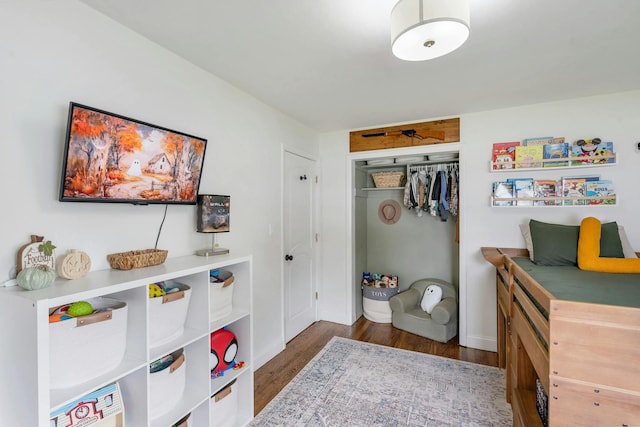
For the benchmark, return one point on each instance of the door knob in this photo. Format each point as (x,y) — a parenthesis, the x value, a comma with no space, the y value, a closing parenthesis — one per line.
(288,257)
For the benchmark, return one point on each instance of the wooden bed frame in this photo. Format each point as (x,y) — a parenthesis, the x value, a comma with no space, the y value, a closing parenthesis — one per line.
(587,356)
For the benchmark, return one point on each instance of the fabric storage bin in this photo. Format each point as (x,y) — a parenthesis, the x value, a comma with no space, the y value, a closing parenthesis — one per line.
(167,314)
(85,347)
(166,386)
(221,294)
(375,303)
(224,407)
(100,408)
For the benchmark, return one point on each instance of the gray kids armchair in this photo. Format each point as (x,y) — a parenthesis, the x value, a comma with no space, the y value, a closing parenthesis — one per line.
(407,313)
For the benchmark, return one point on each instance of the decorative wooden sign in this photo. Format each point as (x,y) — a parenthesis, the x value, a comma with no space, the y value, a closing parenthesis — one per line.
(36,253)
(409,135)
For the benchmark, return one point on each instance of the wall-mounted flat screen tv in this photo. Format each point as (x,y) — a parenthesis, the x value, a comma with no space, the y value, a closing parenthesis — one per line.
(112,158)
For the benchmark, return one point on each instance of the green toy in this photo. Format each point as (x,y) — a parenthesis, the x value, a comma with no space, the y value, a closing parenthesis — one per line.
(80,308)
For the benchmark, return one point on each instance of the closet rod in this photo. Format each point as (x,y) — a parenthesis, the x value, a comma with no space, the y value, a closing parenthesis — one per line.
(437,165)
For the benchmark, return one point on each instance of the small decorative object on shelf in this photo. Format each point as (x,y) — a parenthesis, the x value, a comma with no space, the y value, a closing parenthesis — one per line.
(34,278)
(36,253)
(137,259)
(74,265)
(213,216)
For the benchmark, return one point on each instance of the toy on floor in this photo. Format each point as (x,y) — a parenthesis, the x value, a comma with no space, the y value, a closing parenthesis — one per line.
(224,348)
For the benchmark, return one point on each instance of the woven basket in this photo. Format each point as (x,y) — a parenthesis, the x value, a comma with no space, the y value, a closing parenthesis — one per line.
(387,179)
(137,259)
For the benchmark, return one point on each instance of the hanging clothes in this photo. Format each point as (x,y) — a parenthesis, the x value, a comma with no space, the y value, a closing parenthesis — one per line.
(432,189)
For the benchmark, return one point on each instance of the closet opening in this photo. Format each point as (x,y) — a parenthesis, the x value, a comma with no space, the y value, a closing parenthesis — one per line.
(422,240)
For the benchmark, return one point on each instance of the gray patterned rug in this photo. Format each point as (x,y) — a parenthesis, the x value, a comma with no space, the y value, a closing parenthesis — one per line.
(352,383)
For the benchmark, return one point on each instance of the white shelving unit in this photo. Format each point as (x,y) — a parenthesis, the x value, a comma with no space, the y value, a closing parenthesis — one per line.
(28,399)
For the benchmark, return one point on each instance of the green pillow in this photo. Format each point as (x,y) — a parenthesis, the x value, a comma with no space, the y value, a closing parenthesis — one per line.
(554,244)
(610,243)
(557,244)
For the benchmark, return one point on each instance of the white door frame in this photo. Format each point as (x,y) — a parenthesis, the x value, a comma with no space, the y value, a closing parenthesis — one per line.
(350,278)
(316,210)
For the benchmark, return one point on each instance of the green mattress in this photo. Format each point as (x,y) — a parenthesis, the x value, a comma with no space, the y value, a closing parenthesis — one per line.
(571,283)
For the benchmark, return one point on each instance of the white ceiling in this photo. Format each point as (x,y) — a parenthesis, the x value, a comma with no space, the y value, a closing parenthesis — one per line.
(328,63)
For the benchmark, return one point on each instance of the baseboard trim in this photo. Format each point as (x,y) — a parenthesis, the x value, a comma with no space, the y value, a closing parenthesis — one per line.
(482,343)
(267,354)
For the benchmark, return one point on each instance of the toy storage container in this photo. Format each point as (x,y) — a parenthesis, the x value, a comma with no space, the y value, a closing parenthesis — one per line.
(100,408)
(224,407)
(221,294)
(166,386)
(168,313)
(377,290)
(85,347)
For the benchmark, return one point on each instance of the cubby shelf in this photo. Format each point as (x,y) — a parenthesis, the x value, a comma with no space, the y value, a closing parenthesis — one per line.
(26,341)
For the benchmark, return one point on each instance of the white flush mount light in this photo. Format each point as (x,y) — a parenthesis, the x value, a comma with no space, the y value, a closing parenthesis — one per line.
(427,29)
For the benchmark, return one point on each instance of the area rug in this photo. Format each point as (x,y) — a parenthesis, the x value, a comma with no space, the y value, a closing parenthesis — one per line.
(353,383)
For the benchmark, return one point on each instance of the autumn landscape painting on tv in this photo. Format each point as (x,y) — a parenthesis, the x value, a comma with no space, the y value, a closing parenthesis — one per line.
(111,158)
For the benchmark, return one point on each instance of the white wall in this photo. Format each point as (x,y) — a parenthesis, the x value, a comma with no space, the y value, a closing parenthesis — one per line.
(613,117)
(58,51)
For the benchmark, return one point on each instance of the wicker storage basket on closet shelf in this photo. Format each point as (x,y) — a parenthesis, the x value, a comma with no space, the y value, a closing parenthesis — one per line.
(387,179)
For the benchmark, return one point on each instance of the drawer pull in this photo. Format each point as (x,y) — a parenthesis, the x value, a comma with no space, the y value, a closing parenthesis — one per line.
(555,385)
(555,372)
(596,404)
(596,391)
(555,397)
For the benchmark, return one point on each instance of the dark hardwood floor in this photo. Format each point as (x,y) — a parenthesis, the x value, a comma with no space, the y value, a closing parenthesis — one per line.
(275,374)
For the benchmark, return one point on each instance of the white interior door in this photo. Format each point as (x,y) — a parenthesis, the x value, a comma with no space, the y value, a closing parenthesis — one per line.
(299,287)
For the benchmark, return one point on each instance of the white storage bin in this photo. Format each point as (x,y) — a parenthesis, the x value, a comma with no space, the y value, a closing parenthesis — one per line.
(85,347)
(376,311)
(167,314)
(221,296)
(224,407)
(100,408)
(166,387)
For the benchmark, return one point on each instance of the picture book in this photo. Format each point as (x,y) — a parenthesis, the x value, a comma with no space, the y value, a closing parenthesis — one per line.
(526,156)
(558,140)
(538,141)
(545,188)
(556,151)
(573,188)
(504,154)
(523,189)
(602,192)
(604,153)
(586,152)
(503,190)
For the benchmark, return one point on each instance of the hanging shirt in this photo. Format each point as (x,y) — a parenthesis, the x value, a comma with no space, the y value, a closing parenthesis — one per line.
(444,204)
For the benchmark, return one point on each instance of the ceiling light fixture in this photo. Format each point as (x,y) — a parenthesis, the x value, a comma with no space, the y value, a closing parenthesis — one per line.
(428,29)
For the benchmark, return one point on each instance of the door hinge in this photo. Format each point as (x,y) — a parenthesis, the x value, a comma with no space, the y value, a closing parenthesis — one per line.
(316,296)
(317,237)
(316,179)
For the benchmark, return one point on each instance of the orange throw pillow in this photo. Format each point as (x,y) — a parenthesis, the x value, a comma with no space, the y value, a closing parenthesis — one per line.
(589,258)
